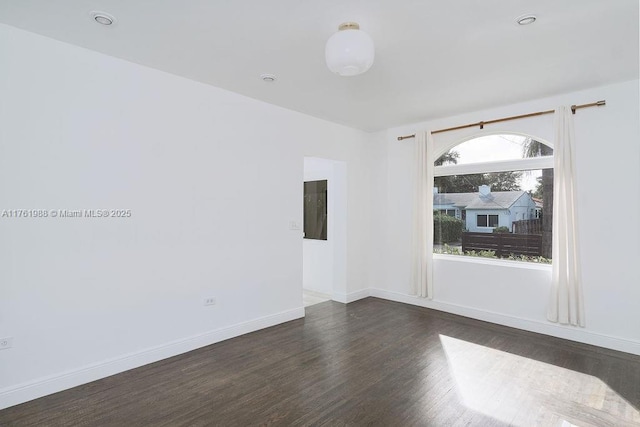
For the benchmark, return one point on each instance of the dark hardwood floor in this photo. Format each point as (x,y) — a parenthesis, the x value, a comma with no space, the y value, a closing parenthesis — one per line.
(372,362)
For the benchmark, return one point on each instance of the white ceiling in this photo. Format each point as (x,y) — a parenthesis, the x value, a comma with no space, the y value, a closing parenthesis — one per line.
(433,58)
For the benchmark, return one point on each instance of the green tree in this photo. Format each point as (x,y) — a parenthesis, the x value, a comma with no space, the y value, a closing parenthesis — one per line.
(544,190)
(503,181)
(498,181)
(538,191)
(449,158)
(446,228)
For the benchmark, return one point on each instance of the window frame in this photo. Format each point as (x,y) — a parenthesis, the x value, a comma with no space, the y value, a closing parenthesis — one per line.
(518,164)
(525,164)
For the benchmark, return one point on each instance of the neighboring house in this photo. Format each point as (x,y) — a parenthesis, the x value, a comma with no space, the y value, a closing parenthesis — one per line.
(538,212)
(485,210)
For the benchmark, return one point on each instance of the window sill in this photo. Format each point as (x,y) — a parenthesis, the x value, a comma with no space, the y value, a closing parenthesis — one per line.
(495,262)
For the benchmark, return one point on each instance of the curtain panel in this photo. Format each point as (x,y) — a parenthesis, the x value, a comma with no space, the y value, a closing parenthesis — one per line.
(566,304)
(422,241)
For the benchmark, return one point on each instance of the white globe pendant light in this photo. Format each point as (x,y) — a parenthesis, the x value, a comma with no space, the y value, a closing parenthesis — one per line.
(350,51)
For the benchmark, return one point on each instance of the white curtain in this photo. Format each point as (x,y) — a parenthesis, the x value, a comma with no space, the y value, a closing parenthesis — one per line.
(422,242)
(566,304)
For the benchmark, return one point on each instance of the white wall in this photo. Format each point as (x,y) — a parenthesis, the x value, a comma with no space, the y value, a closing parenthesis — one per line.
(608,170)
(212,179)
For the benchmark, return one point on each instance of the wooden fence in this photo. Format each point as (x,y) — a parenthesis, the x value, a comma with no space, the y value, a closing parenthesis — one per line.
(503,244)
(528,226)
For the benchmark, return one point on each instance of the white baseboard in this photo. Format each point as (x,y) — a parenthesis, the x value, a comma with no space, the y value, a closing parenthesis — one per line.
(552,329)
(25,392)
(350,297)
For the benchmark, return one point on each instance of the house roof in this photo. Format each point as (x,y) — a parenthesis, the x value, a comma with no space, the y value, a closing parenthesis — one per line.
(539,203)
(495,200)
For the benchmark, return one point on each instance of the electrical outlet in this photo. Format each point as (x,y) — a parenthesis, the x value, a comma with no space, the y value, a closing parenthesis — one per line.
(6,343)
(210,301)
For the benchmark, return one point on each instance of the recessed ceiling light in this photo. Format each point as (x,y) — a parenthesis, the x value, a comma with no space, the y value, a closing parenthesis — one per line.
(103,18)
(526,19)
(269,78)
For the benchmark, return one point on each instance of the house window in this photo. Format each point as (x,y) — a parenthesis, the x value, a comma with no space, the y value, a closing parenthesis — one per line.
(449,212)
(503,188)
(487,220)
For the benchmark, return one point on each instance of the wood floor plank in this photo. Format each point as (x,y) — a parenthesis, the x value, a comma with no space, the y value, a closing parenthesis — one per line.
(372,362)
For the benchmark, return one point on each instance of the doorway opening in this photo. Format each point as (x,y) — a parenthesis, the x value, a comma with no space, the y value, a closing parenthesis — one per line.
(324,259)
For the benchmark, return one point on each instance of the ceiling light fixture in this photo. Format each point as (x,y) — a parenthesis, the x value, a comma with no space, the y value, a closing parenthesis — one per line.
(526,20)
(350,51)
(103,18)
(269,78)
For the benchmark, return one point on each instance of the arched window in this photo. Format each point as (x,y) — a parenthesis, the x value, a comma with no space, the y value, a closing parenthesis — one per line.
(493,197)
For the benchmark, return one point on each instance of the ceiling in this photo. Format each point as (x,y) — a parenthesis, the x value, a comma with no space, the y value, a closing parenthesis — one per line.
(433,58)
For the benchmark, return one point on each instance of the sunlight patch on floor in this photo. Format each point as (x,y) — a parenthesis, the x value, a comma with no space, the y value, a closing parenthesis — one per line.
(525,392)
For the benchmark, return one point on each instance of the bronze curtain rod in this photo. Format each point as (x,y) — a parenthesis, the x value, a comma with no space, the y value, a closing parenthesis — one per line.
(505,119)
